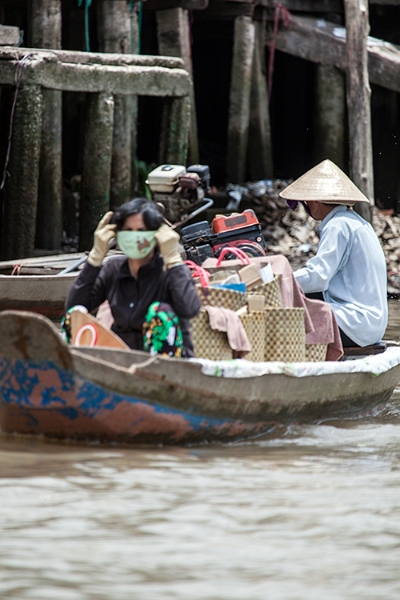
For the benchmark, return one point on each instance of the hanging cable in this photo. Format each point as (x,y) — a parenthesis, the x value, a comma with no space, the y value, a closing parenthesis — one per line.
(140,18)
(135,8)
(17,80)
(87,37)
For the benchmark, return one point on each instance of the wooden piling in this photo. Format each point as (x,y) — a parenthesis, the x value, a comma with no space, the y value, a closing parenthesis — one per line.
(115,37)
(358,100)
(330,116)
(21,186)
(259,141)
(96,170)
(135,47)
(173,33)
(174,139)
(46,33)
(239,98)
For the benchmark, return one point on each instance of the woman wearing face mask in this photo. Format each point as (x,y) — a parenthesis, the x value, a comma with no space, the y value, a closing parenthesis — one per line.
(150,290)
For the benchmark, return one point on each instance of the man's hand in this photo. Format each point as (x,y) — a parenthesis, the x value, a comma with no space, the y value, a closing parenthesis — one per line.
(102,236)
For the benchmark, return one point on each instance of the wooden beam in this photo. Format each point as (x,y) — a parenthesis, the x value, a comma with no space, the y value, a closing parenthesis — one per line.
(173,33)
(96,169)
(330,115)
(97,58)
(46,33)
(46,70)
(227,10)
(239,99)
(21,185)
(259,141)
(358,100)
(174,134)
(324,43)
(115,37)
(9,36)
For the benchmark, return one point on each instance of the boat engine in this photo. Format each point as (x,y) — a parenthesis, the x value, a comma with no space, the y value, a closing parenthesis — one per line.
(242,230)
(179,189)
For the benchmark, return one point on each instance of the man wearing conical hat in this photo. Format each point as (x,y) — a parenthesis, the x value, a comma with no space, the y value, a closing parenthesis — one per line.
(349,269)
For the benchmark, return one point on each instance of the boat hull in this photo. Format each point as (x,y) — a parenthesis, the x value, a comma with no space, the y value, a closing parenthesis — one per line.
(42,294)
(50,389)
(58,403)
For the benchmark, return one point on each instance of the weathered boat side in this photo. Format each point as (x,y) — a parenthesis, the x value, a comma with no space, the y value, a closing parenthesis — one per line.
(270,398)
(43,294)
(116,395)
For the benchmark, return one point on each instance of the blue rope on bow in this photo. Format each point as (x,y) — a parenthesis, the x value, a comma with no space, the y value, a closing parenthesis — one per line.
(87,5)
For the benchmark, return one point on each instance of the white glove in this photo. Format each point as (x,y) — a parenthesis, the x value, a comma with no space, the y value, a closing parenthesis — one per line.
(102,236)
(168,241)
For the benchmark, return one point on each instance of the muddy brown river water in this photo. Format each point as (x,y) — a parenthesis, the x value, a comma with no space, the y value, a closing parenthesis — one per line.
(307,513)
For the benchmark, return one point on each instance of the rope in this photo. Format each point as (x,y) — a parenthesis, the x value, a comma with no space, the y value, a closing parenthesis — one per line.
(87,5)
(134,8)
(140,19)
(16,270)
(17,80)
(281,14)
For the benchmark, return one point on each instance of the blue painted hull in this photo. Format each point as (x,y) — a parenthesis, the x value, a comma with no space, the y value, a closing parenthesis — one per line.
(43,398)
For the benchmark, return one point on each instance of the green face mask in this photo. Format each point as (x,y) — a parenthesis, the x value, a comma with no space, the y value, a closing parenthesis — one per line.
(136,244)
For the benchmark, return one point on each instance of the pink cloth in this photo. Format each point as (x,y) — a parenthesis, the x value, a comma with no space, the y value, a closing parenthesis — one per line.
(104,315)
(224,319)
(320,321)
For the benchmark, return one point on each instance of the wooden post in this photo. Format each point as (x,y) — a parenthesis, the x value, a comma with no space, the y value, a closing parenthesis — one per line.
(115,37)
(173,35)
(174,138)
(134,50)
(46,33)
(330,116)
(259,144)
(239,99)
(21,186)
(358,100)
(96,171)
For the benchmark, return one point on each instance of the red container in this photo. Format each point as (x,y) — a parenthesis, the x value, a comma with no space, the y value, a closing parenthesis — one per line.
(223,223)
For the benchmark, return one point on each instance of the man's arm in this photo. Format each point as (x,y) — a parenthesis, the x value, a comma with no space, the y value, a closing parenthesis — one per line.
(332,255)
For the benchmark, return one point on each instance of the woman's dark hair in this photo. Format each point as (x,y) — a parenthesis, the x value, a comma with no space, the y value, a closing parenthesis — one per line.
(152,216)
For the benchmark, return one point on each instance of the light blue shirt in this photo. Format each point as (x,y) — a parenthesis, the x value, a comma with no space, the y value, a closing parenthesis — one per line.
(350,271)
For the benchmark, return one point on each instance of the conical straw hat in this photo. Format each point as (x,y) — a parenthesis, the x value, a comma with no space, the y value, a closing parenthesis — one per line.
(325,183)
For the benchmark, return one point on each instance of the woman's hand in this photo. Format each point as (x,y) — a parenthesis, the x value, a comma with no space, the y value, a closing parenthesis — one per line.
(102,236)
(168,241)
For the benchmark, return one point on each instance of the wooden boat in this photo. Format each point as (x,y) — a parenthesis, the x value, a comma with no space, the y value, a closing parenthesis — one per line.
(50,388)
(40,284)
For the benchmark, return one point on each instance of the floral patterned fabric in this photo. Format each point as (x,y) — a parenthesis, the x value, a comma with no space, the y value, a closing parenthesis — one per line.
(161,331)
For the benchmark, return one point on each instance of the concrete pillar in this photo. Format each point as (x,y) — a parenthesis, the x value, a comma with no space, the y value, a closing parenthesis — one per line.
(330,116)
(259,143)
(173,34)
(46,33)
(96,171)
(115,37)
(239,98)
(21,186)
(175,128)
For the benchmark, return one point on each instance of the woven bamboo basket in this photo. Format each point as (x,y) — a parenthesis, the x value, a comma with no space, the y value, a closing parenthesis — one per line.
(315,352)
(208,343)
(285,334)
